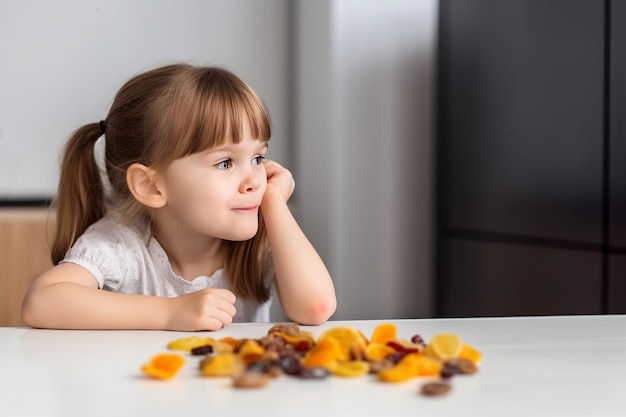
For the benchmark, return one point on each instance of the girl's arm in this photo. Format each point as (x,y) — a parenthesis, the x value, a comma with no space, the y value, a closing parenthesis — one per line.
(67,297)
(303,284)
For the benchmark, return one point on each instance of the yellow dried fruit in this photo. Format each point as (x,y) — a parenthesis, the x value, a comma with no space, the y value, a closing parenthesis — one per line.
(445,346)
(223,364)
(186,344)
(351,369)
(164,366)
(250,351)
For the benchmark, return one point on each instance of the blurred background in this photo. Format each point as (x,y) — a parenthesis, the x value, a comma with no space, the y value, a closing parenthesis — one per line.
(452,157)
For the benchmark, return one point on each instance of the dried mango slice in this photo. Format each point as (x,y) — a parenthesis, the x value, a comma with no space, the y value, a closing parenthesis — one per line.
(378,351)
(164,366)
(468,352)
(250,351)
(325,353)
(351,369)
(186,344)
(223,364)
(384,333)
(445,346)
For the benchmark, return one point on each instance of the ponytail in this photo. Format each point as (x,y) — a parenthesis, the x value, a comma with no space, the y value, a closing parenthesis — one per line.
(80,199)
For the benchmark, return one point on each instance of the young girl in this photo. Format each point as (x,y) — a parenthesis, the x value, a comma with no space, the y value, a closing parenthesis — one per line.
(187,228)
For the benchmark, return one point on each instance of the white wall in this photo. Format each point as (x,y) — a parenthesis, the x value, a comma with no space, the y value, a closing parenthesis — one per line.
(364,129)
(64,60)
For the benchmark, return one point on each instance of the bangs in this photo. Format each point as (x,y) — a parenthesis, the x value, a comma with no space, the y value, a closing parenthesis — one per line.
(208,108)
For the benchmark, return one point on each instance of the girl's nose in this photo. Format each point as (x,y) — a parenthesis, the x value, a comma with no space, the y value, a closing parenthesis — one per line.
(251,182)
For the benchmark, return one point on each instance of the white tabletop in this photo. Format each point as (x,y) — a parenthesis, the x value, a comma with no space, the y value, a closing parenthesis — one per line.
(532,366)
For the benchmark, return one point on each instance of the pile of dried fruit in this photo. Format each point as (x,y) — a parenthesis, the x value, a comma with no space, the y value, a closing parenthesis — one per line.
(341,351)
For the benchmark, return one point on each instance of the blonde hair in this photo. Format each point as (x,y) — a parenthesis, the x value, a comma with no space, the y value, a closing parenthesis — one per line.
(157,117)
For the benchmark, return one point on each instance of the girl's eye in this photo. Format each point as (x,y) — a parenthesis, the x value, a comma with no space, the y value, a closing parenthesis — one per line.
(224,164)
(258,160)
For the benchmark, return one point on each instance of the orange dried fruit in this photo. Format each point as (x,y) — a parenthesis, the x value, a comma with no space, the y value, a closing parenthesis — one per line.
(468,352)
(445,346)
(223,364)
(351,369)
(348,337)
(384,333)
(164,366)
(378,351)
(427,366)
(404,370)
(325,353)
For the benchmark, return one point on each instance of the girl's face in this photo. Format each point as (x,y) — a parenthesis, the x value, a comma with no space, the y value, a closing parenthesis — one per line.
(218,193)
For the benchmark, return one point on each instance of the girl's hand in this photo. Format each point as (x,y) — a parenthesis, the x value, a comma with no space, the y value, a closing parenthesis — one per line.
(209,309)
(280,182)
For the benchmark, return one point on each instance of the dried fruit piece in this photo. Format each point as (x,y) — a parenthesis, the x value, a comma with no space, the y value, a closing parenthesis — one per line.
(186,344)
(445,346)
(384,333)
(349,339)
(435,388)
(164,366)
(404,370)
(461,366)
(325,353)
(410,366)
(251,380)
(468,352)
(351,369)
(250,351)
(378,351)
(223,364)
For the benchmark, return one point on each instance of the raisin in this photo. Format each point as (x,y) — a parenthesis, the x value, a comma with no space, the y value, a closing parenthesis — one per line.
(417,340)
(250,380)
(436,388)
(316,372)
(462,366)
(202,350)
(290,365)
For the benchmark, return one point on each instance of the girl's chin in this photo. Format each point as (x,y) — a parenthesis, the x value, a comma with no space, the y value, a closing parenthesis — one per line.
(241,236)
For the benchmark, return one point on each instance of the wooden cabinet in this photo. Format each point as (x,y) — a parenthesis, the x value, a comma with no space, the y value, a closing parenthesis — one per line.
(532,170)
(24,254)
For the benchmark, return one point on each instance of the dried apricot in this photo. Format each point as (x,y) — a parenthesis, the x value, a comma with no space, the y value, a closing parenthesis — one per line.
(410,366)
(378,351)
(223,364)
(404,370)
(349,339)
(384,332)
(325,353)
(468,352)
(164,366)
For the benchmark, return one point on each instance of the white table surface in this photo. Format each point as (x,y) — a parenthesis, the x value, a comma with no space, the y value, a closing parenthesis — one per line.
(532,366)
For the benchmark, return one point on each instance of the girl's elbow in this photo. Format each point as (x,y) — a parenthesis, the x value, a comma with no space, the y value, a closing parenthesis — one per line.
(319,311)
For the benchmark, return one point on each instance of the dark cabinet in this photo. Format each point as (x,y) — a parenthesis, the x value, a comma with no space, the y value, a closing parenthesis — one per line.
(523,185)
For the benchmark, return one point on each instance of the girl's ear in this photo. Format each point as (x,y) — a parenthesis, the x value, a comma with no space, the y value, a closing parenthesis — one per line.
(144,185)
